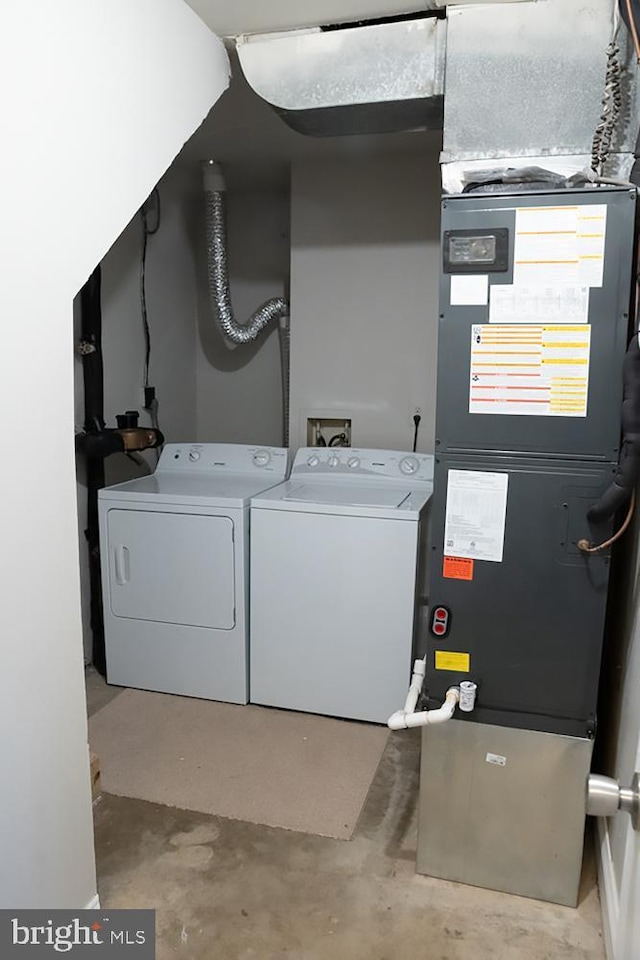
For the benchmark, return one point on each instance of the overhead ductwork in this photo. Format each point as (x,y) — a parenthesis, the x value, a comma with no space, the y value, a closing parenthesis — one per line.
(377,78)
(528,84)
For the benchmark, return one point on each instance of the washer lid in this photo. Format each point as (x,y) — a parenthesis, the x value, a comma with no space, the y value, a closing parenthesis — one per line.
(347,494)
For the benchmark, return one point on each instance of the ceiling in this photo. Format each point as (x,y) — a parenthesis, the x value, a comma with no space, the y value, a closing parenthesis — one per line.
(249,16)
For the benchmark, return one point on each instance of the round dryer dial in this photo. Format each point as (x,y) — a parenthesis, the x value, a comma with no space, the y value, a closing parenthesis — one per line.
(353,462)
(409,466)
(313,461)
(261,458)
(194,455)
(333,461)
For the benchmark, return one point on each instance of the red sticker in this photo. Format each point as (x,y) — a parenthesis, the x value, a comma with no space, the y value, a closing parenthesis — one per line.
(457,568)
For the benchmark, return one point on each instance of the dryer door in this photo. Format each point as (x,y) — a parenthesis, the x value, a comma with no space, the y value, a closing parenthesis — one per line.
(172,567)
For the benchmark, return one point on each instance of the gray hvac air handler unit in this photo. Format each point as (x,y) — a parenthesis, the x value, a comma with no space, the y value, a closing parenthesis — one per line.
(534,299)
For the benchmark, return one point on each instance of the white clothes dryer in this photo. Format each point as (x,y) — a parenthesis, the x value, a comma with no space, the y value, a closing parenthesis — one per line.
(175,558)
(334,559)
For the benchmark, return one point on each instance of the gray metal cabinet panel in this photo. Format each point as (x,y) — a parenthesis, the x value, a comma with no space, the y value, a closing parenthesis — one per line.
(593,437)
(532,624)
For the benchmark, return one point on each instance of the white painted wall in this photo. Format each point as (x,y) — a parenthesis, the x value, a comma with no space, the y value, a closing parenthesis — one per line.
(99,97)
(364,296)
(240,388)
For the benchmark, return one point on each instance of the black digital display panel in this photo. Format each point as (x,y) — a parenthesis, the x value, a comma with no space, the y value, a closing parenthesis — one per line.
(474,251)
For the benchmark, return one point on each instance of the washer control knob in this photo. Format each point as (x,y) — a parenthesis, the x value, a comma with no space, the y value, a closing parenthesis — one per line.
(353,462)
(261,458)
(194,455)
(333,461)
(313,461)
(409,466)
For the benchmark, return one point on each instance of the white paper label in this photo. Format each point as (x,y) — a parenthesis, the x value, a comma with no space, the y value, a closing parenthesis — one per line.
(530,370)
(496,759)
(469,290)
(560,245)
(476,515)
(563,303)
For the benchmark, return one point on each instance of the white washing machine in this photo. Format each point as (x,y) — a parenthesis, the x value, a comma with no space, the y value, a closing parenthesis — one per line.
(334,561)
(175,558)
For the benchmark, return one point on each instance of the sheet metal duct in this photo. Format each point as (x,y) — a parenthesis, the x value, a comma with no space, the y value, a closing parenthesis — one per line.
(377,78)
(526,80)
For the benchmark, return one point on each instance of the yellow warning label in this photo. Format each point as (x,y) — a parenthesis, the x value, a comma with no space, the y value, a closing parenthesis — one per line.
(530,370)
(452,661)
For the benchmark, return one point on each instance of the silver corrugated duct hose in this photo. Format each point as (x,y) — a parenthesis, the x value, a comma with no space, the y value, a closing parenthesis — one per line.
(215,213)
(276,309)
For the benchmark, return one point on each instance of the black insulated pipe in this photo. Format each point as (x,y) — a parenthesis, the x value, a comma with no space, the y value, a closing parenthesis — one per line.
(624,482)
(93,375)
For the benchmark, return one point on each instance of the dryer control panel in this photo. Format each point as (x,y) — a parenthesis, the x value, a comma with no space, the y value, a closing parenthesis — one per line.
(221,458)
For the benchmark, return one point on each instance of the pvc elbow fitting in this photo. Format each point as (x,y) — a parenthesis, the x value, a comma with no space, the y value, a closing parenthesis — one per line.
(397,721)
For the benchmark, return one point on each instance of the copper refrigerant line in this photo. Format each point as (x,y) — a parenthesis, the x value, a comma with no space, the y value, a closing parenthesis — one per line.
(586,547)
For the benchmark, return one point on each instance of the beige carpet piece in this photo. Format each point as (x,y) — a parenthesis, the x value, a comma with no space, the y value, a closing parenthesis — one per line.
(282,769)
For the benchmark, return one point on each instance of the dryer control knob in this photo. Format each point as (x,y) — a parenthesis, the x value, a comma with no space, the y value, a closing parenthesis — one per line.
(261,458)
(409,466)
(353,462)
(194,455)
(313,461)
(333,461)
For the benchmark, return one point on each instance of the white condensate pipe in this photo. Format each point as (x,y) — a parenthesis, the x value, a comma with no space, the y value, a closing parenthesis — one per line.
(407,717)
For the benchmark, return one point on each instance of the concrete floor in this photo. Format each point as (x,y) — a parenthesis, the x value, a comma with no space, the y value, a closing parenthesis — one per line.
(236,891)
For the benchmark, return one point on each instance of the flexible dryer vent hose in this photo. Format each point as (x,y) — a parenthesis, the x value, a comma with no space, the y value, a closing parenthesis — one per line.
(217,268)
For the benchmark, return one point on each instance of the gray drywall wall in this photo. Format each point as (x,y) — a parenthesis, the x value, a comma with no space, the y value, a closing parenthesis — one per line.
(240,387)
(364,301)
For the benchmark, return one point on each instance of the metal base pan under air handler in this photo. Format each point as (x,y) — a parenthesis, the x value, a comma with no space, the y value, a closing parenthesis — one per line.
(504,809)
